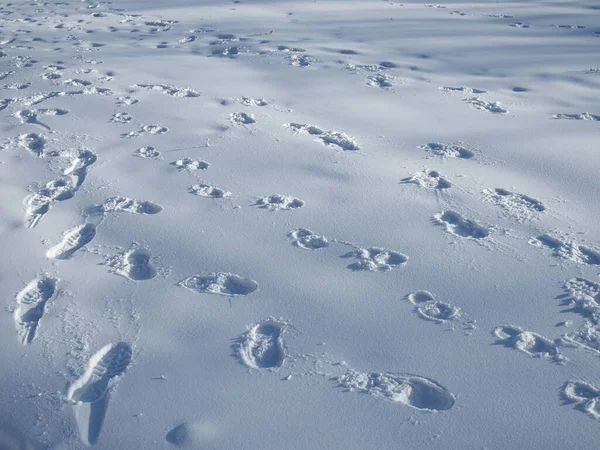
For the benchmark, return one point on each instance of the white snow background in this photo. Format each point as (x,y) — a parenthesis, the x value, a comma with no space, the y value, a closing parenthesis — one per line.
(302,225)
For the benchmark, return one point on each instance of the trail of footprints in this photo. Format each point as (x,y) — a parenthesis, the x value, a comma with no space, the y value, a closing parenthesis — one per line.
(90,393)
(263,345)
(63,188)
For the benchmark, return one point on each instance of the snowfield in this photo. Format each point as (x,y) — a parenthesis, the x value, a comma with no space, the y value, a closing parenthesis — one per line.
(323,224)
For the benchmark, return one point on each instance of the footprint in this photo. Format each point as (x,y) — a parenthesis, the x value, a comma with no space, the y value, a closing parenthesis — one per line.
(430,179)
(180,435)
(72,241)
(437,311)
(160,25)
(190,164)
(582,116)
(154,129)
(32,142)
(429,308)
(375,68)
(172,91)
(571,27)
(568,250)
(520,25)
(247,101)
(126,100)
(36,99)
(51,75)
(23,61)
(447,150)
(134,264)
(16,86)
(30,116)
(520,206)
(241,118)
(300,60)
(220,283)
(306,239)
(286,49)
(39,203)
(483,105)
(31,302)
(4,103)
(124,204)
(375,258)
(121,117)
(262,347)
(76,82)
(455,224)
(230,52)
(585,396)
(147,152)
(581,289)
(587,337)
(36,207)
(381,81)
(328,138)
(419,297)
(462,90)
(80,164)
(584,297)
(225,38)
(206,190)
(90,393)
(411,390)
(187,39)
(279,202)
(527,342)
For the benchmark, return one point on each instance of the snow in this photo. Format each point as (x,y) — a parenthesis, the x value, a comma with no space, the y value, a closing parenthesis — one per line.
(309,224)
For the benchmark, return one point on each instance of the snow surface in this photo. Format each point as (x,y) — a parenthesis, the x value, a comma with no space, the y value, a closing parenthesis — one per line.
(310,224)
